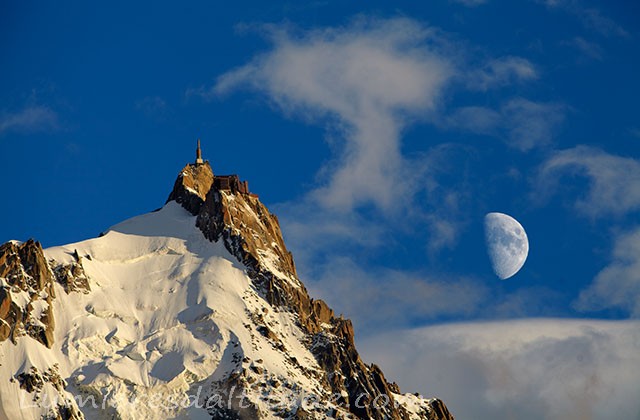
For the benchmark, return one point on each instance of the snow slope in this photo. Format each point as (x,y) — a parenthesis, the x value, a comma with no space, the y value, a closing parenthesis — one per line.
(169,316)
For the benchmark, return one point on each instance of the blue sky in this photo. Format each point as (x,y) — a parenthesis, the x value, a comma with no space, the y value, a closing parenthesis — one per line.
(380,134)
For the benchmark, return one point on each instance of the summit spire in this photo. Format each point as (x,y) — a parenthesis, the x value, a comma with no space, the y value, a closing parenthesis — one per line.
(199,160)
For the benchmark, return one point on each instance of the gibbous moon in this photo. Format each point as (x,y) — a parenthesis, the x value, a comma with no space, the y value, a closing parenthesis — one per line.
(507,244)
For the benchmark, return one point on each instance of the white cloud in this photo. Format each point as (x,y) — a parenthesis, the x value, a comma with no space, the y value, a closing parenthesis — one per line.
(366,83)
(500,72)
(431,211)
(538,369)
(614,180)
(30,119)
(618,285)
(367,79)
(522,124)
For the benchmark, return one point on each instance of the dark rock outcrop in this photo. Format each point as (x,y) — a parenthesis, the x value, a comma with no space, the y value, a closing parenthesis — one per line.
(71,276)
(33,382)
(27,290)
(439,411)
(252,234)
(26,293)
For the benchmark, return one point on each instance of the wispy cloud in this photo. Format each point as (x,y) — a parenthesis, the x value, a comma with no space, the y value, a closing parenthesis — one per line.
(542,369)
(500,72)
(530,124)
(389,298)
(589,49)
(29,119)
(613,190)
(617,285)
(435,212)
(614,187)
(594,19)
(521,123)
(365,81)
(476,119)
(590,17)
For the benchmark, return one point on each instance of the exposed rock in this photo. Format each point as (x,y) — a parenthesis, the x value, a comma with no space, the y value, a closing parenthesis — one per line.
(71,276)
(26,293)
(321,312)
(248,229)
(252,234)
(439,410)
(231,402)
(33,382)
(5,303)
(30,381)
(191,187)
(5,330)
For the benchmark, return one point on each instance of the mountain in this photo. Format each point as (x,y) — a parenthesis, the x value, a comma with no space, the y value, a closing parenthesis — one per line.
(192,311)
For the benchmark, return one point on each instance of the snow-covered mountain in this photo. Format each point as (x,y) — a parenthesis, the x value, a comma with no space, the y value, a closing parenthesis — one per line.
(192,311)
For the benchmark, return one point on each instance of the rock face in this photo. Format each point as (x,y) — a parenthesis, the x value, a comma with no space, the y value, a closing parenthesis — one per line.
(252,234)
(71,276)
(26,310)
(191,188)
(26,293)
(439,410)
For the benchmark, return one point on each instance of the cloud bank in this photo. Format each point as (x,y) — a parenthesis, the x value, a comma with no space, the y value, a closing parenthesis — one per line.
(538,369)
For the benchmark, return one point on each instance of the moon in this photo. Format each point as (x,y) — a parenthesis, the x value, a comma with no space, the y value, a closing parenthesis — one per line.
(507,244)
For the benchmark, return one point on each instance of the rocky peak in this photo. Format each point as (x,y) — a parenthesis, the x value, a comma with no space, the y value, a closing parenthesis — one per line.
(191,188)
(226,210)
(253,330)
